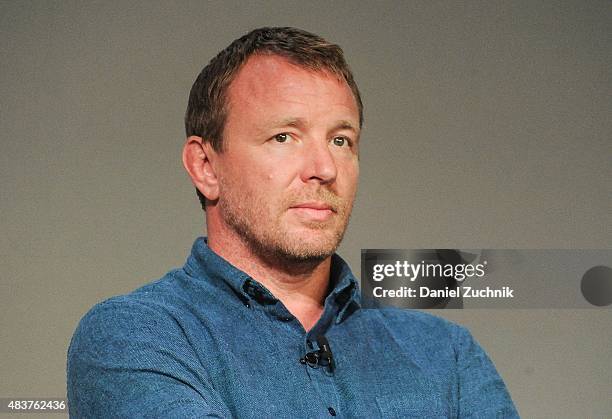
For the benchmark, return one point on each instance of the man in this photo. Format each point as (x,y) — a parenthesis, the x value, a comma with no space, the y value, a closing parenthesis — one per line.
(264,319)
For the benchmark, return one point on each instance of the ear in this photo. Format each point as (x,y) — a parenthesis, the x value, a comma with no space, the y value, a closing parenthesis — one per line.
(199,160)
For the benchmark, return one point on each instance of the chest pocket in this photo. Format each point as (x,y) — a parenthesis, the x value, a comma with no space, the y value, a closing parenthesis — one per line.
(402,406)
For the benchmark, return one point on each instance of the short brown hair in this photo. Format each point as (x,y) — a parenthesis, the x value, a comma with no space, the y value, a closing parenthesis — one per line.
(207,108)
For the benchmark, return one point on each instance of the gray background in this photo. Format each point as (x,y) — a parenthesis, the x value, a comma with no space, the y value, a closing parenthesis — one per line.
(487,126)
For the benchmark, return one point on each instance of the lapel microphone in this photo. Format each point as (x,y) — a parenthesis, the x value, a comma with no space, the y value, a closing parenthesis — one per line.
(322,357)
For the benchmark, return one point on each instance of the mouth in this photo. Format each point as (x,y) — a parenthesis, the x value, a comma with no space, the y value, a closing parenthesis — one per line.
(315,210)
(315,205)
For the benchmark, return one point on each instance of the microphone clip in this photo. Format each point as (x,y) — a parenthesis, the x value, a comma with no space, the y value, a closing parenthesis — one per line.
(322,357)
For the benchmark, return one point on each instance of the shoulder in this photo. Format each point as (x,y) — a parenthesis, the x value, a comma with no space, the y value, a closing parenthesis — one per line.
(145,300)
(148,312)
(115,322)
(417,323)
(134,354)
(422,335)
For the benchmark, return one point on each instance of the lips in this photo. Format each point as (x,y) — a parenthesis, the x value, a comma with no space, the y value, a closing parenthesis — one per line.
(321,206)
(315,211)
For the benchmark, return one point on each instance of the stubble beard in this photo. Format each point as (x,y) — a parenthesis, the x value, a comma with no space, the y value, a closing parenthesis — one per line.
(262,229)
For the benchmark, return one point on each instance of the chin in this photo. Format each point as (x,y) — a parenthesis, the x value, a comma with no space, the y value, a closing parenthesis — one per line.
(304,254)
(311,245)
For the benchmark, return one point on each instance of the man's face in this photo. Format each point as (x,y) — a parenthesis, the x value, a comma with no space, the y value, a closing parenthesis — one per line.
(288,173)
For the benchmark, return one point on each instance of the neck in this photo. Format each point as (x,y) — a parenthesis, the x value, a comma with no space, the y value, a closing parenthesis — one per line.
(300,285)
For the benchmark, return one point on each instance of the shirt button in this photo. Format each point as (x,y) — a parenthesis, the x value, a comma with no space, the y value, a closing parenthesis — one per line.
(331,411)
(285,318)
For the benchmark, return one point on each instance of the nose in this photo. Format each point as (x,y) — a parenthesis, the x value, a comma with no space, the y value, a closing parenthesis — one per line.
(319,163)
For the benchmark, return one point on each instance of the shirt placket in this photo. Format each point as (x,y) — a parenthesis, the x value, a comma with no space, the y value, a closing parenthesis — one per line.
(323,380)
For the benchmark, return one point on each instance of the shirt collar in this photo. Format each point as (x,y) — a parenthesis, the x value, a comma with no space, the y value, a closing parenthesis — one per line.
(205,264)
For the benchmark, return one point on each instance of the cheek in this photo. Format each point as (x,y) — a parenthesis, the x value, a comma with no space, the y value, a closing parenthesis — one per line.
(279,175)
(267,183)
(350,176)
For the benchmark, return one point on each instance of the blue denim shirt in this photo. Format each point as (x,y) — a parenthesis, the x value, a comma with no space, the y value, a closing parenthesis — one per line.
(207,340)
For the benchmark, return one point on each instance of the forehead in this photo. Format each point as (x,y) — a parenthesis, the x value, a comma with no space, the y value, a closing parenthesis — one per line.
(268,83)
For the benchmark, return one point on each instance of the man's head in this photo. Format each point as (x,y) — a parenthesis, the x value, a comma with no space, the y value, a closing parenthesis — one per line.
(207,108)
(275,121)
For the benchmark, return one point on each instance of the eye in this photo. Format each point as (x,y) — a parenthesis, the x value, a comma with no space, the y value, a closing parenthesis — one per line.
(340,141)
(282,137)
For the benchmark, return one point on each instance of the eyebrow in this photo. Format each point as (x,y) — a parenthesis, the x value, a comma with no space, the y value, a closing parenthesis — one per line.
(290,122)
(346,125)
(301,123)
